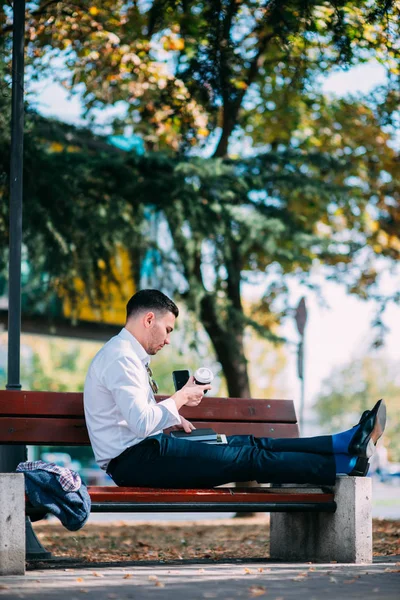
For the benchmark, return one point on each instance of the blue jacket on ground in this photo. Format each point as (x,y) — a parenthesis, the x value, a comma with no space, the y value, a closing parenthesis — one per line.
(44,489)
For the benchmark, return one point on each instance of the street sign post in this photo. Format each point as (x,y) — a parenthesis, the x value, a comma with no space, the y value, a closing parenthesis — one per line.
(301,320)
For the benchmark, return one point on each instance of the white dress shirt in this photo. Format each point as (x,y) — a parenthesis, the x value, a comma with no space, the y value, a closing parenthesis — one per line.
(120,408)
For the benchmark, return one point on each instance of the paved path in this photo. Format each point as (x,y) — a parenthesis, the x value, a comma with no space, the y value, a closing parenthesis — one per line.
(225,581)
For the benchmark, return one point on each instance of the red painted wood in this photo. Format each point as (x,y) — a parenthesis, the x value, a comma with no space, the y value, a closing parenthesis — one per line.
(70,404)
(53,432)
(73,432)
(242,409)
(121,494)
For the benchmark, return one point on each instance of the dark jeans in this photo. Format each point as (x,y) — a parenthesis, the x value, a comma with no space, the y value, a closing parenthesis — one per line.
(162,461)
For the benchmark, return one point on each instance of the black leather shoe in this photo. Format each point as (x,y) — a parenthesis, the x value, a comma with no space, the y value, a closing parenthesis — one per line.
(369,431)
(361,467)
(363,416)
(367,412)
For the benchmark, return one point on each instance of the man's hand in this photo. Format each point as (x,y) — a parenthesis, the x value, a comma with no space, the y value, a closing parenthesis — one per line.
(191,394)
(186,425)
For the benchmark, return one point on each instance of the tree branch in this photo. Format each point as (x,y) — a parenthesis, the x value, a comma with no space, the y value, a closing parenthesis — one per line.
(40,12)
(231,108)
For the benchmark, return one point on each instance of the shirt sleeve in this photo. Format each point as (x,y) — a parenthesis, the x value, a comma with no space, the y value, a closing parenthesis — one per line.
(125,381)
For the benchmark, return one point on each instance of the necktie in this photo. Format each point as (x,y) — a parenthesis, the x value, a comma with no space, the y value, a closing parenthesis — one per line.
(152,383)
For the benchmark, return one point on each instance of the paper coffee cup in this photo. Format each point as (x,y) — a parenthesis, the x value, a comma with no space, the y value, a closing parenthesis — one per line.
(203,376)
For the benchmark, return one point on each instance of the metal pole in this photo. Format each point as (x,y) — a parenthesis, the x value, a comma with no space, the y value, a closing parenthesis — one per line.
(301,320)
(302,387)
(17,141)
(10,456)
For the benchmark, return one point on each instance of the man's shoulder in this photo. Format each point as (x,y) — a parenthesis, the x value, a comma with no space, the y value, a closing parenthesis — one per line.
(114,349)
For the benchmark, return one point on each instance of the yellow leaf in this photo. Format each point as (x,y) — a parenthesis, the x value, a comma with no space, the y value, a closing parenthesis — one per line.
(93,11)
(257,590)
(177,44)
(56,147)
(203,131)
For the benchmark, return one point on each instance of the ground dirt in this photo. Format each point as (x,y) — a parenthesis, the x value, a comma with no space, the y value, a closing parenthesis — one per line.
(165,541)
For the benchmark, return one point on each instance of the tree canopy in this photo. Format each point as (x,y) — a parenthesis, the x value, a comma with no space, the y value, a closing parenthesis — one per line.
(295,179)
(185,69)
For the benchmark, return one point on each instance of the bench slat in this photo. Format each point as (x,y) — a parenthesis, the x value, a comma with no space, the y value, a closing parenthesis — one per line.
(187,507)
(225,495)
(70,404)
(73,432)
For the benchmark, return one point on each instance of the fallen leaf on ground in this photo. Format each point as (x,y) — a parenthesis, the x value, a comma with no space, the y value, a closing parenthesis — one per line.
(392,570)
(257,590)
(127,576)
(159,584)
(153,577)
(79,579)
(97,574)
(116,542)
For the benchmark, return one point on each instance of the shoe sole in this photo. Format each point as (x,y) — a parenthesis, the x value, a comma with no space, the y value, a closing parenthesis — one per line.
(380,423)
(378,429)
(370,449)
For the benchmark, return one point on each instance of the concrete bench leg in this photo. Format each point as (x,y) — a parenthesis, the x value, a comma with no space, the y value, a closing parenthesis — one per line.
(12,524)
(344,536)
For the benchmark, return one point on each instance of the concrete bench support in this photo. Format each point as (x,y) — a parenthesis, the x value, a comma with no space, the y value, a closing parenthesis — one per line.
(12,524)
(344,536)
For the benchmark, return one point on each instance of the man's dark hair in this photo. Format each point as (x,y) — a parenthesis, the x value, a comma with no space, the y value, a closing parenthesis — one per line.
(150,300)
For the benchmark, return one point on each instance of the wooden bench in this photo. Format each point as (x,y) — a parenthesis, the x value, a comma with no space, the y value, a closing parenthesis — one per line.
(55,418)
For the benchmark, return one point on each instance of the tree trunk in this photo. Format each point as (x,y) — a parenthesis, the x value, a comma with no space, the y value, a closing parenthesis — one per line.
(229,349)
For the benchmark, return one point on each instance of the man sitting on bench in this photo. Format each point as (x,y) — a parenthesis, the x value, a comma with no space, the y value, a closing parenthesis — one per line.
(126,424)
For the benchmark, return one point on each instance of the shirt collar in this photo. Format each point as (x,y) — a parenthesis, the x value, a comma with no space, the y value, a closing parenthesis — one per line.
(137,346)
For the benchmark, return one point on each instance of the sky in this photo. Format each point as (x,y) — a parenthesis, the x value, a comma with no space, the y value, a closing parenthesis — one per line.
(334,335)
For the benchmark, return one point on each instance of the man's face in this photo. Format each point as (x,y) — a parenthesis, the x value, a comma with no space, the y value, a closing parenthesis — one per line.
(159,327)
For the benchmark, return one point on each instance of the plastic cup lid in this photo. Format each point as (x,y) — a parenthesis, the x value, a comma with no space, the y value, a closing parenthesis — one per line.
(204,375)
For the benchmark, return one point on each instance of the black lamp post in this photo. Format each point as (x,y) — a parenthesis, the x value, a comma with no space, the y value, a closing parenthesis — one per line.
(10,456)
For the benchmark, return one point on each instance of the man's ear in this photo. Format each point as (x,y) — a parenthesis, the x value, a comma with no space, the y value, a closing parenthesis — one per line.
(149,319)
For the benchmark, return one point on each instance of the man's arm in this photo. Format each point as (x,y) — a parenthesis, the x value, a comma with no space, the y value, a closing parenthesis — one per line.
(125,381)
(129,389)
